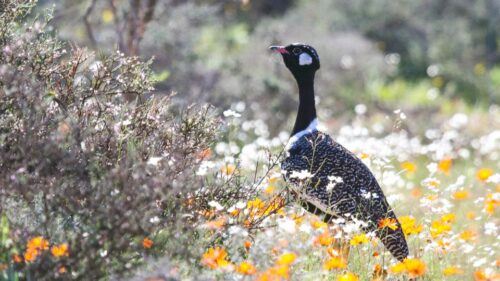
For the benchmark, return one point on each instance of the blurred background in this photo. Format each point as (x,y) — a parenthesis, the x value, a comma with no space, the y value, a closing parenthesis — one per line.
(424,57)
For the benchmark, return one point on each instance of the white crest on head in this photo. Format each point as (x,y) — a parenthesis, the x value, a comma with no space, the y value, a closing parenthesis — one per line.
(305,59)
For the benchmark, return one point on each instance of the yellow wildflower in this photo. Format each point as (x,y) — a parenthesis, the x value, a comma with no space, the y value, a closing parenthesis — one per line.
(470,215)
(461,195)
(439,227)
(228,169)
(468,235)
(348,276)
(409,225)
(448,218)
(107,16)
(409,167)
(316,224)
(452,270)
(491,203)
(359,239)
(335,263)
(246,268)
(483,174)
(445,165)
(286,259)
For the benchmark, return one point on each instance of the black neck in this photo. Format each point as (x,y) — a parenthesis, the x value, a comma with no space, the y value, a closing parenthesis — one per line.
(307,109)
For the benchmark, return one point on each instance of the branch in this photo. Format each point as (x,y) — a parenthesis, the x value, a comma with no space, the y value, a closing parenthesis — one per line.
(86,21)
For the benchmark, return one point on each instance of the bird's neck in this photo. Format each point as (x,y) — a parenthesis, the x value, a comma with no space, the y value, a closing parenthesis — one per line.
(307,109)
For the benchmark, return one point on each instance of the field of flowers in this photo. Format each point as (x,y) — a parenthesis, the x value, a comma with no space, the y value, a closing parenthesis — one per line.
(444,186)
(106,173)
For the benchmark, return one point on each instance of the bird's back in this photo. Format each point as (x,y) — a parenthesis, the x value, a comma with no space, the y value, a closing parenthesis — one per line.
(341,185)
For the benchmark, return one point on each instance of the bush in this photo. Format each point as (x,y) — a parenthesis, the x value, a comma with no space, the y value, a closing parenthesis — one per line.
(86,178)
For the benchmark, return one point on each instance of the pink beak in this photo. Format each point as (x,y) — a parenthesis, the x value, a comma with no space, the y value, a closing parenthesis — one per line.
(279,49)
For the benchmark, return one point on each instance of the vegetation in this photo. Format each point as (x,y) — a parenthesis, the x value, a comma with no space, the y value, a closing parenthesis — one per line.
(142,138)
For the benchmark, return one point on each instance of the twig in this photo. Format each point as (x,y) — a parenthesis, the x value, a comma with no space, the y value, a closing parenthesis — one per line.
(86,21)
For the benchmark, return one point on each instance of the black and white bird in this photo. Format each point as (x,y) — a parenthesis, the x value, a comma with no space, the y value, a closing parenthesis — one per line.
(326,178)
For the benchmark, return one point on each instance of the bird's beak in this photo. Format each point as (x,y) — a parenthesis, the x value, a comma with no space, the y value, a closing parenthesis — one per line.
(278,49)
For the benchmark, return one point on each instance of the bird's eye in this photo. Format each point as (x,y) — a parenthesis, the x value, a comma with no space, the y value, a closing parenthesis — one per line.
(296,51)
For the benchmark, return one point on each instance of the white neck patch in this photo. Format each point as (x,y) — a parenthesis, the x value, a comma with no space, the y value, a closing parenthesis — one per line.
(312,126)
(305,59)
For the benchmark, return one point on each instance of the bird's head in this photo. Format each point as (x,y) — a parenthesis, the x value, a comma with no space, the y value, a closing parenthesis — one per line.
(300,59)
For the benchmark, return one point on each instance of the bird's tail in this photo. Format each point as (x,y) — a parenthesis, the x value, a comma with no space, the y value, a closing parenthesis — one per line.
(394,241)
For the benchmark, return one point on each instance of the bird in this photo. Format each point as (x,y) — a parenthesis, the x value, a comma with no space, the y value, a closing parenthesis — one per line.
(326,178)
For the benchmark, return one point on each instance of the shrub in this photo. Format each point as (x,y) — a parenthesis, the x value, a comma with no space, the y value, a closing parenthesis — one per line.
(86,178)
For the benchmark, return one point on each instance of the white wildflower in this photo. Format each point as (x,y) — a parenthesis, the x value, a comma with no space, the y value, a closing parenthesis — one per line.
(231,113)
(490,228)
(154,220)
(216,205)
(495,179)
(360,109)
(432,167)
(287,225)
(154,160)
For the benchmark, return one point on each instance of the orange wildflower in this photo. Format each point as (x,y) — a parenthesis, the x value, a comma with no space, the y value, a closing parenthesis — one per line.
(216,224)
(378,272)
(17,258)
(247,245)
(60,250)
(275,273)
(147,243)
(416,192)
(34,247)
(30,255)
(479,275)
(412,267)
(215,257)
(324,239)
(204,154)
(39,243)
(388,222)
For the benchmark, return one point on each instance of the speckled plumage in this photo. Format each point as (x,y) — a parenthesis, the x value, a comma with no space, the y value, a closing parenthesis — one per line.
(357,195)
